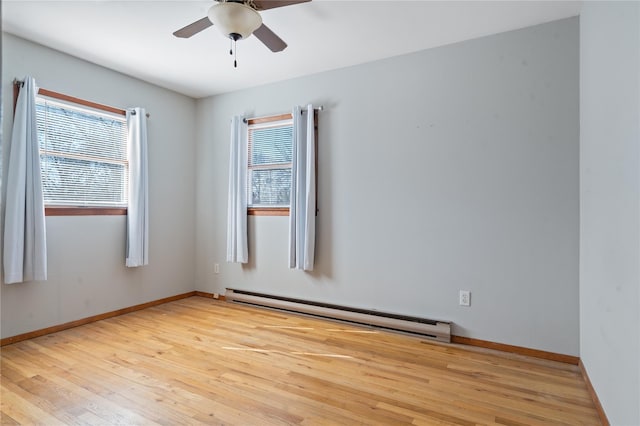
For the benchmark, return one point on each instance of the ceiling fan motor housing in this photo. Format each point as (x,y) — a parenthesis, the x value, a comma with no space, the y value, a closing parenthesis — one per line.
(235,20)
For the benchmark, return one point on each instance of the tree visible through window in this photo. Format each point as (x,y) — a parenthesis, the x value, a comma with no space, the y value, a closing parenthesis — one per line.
(269,168)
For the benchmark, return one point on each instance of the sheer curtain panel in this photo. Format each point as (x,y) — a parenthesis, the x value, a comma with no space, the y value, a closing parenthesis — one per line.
(237,247)
(25,246)
(138,209)
(302,213)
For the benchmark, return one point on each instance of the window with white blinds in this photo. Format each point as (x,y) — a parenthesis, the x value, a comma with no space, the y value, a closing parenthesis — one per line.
(270,155)
(83,155)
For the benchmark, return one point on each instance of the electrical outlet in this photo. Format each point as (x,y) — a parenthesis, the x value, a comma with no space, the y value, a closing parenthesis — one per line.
(216,268)
(216,296)
(465,298)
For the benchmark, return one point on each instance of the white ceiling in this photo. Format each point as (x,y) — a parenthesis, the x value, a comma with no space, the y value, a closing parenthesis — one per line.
(135,37)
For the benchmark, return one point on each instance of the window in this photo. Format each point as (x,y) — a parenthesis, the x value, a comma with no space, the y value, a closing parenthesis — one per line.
(270,145)
(83,155)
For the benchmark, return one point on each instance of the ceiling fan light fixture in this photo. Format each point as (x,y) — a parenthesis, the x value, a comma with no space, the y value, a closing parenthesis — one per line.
(235,20)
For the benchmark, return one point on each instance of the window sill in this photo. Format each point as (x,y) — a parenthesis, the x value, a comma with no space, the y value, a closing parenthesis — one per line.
(268,211)
(84,211)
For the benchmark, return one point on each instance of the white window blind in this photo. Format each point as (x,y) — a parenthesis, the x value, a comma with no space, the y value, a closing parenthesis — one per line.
(270,155)
(83,155)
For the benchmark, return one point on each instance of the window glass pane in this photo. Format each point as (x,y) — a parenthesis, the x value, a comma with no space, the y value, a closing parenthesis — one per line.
(271,145)
(270,156)
(76,132)
(270,187)
(69,181)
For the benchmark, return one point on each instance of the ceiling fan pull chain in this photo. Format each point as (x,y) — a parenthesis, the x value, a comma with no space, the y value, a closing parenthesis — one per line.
(230,46)
(235,54)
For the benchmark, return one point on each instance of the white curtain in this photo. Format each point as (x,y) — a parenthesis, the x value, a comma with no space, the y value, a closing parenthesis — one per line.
(137,253)
(25,246)
(302,214)
(237,247)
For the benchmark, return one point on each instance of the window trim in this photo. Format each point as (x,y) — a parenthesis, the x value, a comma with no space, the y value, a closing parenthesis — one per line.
(84,211)
(53,210)
(283,211)
(268,211)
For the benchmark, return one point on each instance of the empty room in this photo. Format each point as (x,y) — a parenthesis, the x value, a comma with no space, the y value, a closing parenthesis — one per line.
(320,212)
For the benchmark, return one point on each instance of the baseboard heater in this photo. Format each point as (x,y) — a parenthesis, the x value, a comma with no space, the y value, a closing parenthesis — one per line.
(432,329)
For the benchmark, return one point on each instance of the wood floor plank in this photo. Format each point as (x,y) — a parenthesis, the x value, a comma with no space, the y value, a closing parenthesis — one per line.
(23,410)
(5,420)
(203,361)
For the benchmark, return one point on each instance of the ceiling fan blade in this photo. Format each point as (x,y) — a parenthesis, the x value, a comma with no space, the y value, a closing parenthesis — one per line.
(270,39)
(193,28)
(272,4)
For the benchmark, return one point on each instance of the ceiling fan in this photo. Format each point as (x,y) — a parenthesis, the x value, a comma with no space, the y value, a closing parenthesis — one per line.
(238,19)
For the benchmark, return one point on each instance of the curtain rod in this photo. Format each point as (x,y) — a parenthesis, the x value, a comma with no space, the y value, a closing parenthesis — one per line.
(319,108)
(57,95)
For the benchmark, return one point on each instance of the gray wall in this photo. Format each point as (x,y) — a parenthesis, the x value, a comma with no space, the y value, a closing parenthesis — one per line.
(87,275)
(610,205)
(451,168)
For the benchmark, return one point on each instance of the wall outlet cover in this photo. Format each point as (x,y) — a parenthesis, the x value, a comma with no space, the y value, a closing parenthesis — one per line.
(465,298)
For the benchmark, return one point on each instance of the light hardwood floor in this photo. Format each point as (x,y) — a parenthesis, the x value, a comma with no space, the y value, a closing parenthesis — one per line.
(201,361)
